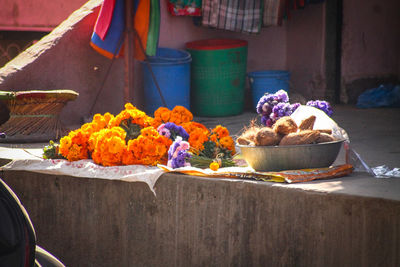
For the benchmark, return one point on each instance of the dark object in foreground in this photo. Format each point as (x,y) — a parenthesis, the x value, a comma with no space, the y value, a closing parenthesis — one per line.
(17,235)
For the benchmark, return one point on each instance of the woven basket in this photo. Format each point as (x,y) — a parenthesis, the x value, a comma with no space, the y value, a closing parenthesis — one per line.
(34,115)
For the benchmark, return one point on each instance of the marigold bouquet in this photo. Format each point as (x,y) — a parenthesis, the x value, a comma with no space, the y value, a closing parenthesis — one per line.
(132,137)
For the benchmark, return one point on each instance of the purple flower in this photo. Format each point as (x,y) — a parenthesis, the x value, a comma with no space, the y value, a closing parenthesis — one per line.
(171,130)
(322,105)
(281,96)
(267,104)
(278,111)
(162,130)
(178,153)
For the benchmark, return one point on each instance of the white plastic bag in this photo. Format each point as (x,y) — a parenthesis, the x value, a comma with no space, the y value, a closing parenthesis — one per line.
(322,121)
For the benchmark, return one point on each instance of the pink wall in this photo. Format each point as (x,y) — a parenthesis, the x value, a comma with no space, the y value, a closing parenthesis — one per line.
(266,50)
(371,39)
(305,51)
(35,15)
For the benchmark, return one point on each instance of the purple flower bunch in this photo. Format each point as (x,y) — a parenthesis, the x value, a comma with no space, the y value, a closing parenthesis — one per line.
(271,107)
(172,131)
(322,105)
(178,155)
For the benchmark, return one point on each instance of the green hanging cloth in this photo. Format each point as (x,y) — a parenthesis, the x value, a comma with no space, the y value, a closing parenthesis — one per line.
(154,28)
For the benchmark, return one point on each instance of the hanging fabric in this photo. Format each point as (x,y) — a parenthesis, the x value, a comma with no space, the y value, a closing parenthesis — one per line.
(109,28)
(184,7)
(108,34)
(233,15)
(273,12)
(154,28)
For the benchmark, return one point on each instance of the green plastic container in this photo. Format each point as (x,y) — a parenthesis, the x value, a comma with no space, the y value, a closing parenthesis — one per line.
(218,76)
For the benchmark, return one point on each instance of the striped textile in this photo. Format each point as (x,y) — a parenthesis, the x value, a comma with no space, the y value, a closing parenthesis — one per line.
(273,12)
(233,15)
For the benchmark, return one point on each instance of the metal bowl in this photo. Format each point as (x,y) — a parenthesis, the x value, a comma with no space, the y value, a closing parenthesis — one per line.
(279,158)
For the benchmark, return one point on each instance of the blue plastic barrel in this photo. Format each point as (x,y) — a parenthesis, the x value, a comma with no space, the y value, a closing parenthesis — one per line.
(169,54)
(171,69)
(269,81)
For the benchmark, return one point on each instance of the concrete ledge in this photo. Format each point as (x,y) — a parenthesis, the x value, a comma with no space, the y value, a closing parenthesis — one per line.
(209,222)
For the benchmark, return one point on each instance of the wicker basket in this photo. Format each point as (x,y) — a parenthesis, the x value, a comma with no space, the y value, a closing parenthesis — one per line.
(34,115)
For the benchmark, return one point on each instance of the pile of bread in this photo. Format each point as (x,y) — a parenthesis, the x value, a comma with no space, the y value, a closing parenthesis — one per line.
(286,132)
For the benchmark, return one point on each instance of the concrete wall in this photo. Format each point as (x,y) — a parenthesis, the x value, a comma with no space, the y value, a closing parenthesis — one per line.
(305,51)
(35,15)
(64,60)
(212,222)
(371,41)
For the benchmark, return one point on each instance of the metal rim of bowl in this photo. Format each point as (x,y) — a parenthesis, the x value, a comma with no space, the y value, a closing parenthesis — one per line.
(303,145)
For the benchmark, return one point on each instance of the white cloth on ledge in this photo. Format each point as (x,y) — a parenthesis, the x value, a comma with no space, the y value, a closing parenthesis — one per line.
(87,168)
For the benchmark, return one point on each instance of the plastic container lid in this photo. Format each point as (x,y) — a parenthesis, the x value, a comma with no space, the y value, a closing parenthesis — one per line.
(215,44)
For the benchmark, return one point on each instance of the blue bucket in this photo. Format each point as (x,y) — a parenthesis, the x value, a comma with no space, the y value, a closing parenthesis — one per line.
(168,54)
(271,81)
(173,77)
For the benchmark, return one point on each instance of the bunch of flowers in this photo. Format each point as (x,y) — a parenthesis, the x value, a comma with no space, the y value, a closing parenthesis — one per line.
(177,115)
(75,146)
(271,107)
(322,105)
(132,138)
(149,148)
(178,154)
(171,130)
(132,120)
(210,146)
(108,146)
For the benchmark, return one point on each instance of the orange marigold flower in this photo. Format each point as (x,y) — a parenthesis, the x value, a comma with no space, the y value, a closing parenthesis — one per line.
(163,114)
(132,114)
(197,139)
(65,144)
(221,131)
(149,148)
(109,146)
(192,125)
(76,152)
(228,143)
(180,114)
(214,138)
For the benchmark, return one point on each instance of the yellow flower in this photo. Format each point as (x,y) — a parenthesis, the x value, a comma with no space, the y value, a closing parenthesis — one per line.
(214,166)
